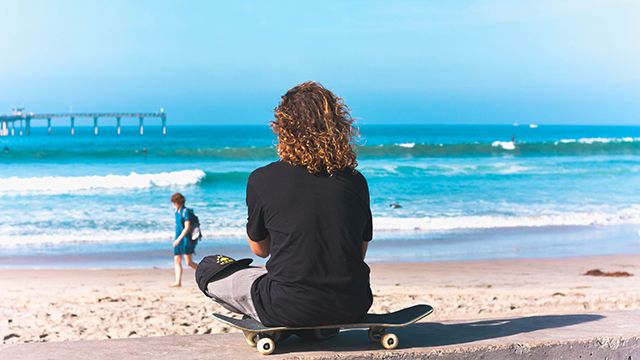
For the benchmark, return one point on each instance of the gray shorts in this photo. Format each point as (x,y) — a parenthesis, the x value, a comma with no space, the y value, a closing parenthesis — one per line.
(233,292)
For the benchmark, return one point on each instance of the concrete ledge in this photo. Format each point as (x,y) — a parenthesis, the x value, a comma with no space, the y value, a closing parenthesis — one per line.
(614,335)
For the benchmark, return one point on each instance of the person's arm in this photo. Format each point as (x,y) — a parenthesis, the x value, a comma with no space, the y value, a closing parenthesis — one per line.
(368,229)
(365,246)
(261,248)
(257,233)
(187,226)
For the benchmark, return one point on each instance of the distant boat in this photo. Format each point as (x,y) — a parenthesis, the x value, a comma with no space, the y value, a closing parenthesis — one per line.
(516,124)
(533,126)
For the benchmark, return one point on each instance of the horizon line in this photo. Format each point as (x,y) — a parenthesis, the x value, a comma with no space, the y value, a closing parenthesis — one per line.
(358,125)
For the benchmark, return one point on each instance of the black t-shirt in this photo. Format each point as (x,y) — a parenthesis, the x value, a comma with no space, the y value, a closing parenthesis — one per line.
(317,223)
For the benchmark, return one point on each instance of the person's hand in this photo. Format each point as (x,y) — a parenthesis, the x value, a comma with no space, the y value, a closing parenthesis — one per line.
(176,243)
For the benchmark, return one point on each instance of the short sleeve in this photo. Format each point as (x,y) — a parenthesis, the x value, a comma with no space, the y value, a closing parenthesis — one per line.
(368,230)
(256,228)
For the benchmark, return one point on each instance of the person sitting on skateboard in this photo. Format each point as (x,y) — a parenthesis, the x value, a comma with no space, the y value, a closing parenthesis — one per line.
(310,212)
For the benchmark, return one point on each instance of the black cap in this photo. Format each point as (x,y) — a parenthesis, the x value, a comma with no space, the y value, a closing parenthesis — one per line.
(211,268)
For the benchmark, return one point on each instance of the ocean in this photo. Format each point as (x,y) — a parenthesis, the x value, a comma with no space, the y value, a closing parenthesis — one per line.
(438,192)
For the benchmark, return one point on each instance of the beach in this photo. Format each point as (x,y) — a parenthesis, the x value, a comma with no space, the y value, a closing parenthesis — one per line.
(62,305)
(484,156)
(461,221)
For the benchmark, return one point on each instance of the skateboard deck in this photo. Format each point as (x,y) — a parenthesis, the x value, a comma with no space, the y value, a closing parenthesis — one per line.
(264,337)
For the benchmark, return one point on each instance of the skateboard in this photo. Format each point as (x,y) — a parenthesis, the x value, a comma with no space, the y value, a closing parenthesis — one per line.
(264,338)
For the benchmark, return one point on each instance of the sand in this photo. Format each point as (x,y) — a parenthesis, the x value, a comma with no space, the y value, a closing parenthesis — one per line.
(60,305)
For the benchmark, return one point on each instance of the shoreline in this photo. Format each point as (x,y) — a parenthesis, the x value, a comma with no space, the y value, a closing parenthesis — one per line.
(372,264)
(461,245)
(59,305)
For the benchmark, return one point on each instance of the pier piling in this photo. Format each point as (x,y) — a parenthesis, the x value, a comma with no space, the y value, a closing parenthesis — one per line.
(118,129)
(48,126)
(141,125)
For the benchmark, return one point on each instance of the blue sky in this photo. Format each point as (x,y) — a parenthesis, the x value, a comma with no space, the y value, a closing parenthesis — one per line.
(550,62)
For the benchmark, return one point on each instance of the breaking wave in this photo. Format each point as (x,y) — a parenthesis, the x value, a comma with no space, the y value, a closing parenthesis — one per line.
(562,147)
(231,227)
(629,215)
(72,184)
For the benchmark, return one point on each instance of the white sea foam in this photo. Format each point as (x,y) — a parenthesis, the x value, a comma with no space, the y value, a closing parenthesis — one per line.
(448,169)
(72,184)
(601,140)
(499,168)
(107,237)
(508,169)
(507,145)
(10,239)
(12,236)
(407,145)
(425,224)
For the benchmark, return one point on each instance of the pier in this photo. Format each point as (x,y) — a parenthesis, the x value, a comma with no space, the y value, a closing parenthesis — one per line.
(19,122)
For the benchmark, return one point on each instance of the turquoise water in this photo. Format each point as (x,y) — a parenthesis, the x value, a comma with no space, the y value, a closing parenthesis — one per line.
(458,192)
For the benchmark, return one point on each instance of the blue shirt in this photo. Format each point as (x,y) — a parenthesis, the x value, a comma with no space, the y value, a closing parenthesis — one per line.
(180,221)
(186,245)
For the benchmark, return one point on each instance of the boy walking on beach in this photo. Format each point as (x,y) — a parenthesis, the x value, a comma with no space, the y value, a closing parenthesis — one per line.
(183,245)
(310,212)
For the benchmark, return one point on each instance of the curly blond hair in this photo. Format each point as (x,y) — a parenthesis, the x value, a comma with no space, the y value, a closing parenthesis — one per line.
(315,130)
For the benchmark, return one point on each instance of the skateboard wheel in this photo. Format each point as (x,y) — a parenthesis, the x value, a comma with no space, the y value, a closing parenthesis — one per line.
(266,346)
(250,338)
(375,335)
(389,341)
